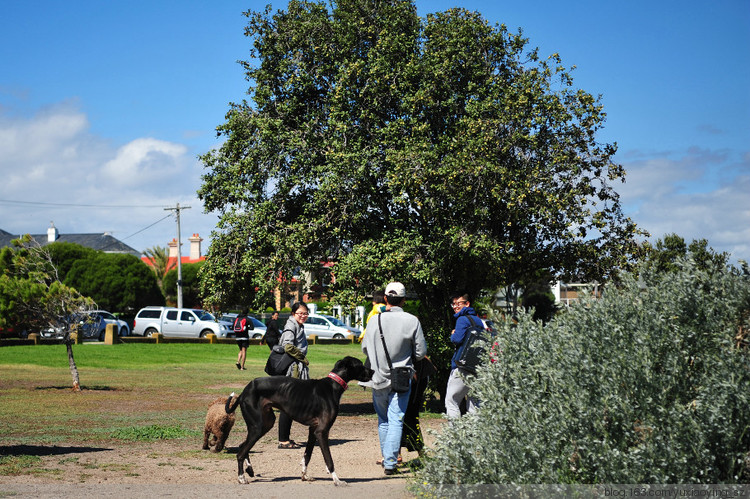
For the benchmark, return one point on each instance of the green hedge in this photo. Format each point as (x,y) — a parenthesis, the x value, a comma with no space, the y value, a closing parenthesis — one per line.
(650,384)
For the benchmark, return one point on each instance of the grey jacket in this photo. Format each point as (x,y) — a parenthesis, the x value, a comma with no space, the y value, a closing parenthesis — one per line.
(294,334)
(404,339)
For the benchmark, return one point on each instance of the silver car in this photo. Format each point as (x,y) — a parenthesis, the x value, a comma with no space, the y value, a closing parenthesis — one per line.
(179,322)
(92,324)
(328,326)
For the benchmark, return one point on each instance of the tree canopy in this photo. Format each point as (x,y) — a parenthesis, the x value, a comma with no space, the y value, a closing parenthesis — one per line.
(116,282)
(667,253)
(440,151)
(190,285)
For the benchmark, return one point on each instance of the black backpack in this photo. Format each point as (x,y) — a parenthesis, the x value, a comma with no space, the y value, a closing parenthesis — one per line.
(477,341)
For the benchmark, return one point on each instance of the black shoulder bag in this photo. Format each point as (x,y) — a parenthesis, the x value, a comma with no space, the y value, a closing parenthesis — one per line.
(278,361)
(400,376)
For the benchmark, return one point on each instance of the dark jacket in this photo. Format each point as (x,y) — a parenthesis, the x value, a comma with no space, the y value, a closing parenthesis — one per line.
(459,334)
(272,336)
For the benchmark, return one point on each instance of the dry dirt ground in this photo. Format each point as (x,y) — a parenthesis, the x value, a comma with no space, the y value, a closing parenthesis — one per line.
(181,469)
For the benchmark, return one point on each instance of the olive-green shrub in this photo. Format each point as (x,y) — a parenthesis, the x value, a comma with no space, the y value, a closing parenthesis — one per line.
(649,384)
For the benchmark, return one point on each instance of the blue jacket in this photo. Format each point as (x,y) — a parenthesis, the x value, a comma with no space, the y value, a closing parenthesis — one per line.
(459,334)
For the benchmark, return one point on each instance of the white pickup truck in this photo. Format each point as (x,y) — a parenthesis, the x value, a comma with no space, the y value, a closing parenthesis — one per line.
(178,322)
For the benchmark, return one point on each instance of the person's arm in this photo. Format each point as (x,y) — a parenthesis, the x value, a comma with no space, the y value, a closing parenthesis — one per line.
(462,325)
(420,344)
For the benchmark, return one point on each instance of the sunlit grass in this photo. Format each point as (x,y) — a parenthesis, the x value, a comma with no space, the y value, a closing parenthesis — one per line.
(134,388)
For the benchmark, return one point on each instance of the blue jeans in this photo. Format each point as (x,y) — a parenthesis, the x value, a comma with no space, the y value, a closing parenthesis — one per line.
(390,408)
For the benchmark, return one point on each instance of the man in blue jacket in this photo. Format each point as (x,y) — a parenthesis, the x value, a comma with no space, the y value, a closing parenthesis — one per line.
(457,389)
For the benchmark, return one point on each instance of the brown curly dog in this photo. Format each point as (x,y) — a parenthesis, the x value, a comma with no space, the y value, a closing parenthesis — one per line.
(218,424)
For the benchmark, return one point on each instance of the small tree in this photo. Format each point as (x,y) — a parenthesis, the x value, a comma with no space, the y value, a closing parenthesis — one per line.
(31,294)
(160,263)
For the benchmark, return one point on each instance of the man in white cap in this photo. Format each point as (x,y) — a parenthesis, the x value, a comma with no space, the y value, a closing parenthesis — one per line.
(404,339)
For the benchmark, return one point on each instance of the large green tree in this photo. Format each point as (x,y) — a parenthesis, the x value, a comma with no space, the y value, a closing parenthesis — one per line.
(117,282)
(439,151)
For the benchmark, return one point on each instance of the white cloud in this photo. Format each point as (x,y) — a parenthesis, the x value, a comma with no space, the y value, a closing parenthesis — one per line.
(52,159)
(700,195)
(145,160)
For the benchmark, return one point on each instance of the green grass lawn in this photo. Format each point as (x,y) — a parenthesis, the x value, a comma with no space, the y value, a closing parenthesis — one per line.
(133,391)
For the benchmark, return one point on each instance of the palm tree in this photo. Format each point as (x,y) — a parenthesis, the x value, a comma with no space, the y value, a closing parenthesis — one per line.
(160,264)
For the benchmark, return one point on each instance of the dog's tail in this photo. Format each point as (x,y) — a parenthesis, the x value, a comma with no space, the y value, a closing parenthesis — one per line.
(229,406)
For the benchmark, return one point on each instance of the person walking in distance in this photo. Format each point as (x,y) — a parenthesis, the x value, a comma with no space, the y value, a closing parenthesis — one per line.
(394,339)
(242,326)
(272,336)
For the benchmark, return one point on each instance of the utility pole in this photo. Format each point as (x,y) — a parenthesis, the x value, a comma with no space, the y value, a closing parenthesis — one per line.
(179,253)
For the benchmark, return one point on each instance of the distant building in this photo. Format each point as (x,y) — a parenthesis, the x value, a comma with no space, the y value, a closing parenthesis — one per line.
(566,293)
(193,256)
(98,241)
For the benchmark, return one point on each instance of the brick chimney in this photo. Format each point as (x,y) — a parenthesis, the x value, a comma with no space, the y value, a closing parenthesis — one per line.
(52,233)
(195,247)
(172,248)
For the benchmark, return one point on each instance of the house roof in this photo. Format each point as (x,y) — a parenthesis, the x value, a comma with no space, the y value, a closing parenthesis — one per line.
(101,242)
(173,261)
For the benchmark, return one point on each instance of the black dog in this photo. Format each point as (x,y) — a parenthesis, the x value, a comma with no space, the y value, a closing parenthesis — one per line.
(312,402)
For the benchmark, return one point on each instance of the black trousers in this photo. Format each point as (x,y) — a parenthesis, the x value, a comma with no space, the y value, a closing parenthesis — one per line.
(285,426)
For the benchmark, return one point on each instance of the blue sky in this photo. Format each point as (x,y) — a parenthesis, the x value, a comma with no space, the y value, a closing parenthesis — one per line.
(105,106)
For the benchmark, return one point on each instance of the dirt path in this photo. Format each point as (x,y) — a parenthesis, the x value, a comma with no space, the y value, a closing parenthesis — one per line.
(182,469)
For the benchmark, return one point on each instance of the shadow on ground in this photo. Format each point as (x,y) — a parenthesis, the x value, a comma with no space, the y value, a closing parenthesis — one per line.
(44,450)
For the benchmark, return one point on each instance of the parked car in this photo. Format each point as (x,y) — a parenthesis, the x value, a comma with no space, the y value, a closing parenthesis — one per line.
(52,332)
(92,324)
(328,326)
(259,329)
(180,322)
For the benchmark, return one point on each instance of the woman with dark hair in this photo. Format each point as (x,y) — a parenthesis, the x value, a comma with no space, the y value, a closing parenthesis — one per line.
(242,325)
(294,341)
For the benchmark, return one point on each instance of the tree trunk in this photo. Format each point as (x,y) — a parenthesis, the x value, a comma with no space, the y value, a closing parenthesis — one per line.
(73,368)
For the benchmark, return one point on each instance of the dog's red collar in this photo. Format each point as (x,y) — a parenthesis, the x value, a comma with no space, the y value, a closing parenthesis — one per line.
(335,377)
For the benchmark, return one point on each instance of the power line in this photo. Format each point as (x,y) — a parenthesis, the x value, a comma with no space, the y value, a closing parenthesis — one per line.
(135,233)
(41,203)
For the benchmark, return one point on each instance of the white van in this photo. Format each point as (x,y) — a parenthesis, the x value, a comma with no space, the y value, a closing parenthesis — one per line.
(328,326)
(178,322)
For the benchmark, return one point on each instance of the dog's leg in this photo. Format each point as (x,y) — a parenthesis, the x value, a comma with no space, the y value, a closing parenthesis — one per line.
(326,450)
(221,439)
(243,460)
(258,421)
(206,433)
(308,454)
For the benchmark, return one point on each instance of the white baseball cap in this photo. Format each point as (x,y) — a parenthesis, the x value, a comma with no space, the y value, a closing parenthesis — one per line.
(395,289)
